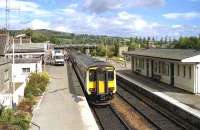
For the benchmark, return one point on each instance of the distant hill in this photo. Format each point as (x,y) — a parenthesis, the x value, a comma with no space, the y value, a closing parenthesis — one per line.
(56,37)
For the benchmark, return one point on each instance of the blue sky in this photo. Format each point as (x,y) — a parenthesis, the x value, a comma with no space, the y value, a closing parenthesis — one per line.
(157,18)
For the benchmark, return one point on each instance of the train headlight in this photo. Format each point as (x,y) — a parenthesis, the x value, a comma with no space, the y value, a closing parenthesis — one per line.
(92,90)
(111,89)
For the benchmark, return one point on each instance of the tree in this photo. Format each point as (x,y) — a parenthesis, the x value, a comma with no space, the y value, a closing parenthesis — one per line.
(29,32)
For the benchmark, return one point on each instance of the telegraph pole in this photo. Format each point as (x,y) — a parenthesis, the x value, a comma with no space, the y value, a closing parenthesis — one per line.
(7,11)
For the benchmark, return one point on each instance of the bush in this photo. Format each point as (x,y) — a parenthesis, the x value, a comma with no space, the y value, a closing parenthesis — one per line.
(22,119)
(26,105)
(37,84)
(14,120)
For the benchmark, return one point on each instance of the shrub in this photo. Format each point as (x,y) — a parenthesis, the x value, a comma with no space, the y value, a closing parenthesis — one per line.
(22,119)
(26,105)
(36,84)
(14,120)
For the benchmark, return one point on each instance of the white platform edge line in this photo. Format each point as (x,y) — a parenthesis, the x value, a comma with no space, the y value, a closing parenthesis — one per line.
(86,115)
(165,97)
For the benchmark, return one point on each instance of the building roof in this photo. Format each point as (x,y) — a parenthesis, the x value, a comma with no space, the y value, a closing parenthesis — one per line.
(27,60)
(2,44)
(88,61)
(172,54)
(27,48)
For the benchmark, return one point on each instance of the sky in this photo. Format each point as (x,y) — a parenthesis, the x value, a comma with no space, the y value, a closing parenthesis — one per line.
(173,18)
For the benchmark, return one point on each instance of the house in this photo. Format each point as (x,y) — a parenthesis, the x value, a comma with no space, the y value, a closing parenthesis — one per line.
(5,74)
(24,66)
(176,67)
(21,70)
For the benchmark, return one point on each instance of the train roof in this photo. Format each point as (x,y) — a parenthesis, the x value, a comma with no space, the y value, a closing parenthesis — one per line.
(89,61)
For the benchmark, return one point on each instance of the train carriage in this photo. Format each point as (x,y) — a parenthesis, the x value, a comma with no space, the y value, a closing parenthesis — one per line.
(98,77)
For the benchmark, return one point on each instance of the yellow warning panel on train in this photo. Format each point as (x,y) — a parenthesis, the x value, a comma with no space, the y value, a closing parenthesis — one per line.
(101,87)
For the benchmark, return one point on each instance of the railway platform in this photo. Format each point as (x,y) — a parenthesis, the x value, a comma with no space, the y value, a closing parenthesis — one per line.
(183,104)
(64,106)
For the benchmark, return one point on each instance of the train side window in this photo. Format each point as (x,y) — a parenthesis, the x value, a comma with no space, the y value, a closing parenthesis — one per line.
(110,75)
(92,75)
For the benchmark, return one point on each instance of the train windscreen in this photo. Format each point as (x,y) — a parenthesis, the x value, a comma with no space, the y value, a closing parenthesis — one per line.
(110,75)
(92,75)
(101,76)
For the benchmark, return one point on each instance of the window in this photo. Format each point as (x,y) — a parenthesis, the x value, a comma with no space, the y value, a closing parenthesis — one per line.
(190,72)
(57,51)
(101,76)
(6,75)
(184,71)
(178,69)
(59,57)
(26,70)
(92,75)
(110,75)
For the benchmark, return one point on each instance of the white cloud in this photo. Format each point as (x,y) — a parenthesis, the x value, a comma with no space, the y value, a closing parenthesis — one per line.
(63,28)
(177,26)
(126,16)
(187,15)
(73,18)
(147,3)
(39,24)
(25,6)
(100,6)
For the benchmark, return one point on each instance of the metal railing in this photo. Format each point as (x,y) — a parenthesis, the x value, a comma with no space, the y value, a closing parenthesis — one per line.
(35,125)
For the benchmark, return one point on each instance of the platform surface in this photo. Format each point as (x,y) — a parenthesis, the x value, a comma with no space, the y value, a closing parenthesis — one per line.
(186,100)
(64,106)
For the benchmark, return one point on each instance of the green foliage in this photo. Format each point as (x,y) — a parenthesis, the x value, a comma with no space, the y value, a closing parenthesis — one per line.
(37,84)
(22,119)
(14,120)
(27,105)
(101,50)
(39,37)
(188,43)
(29,32)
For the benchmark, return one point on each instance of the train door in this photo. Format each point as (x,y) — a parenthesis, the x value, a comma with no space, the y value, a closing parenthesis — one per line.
(101,81)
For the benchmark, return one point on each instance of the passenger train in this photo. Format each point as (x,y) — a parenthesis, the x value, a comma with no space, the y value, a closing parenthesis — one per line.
(97,77)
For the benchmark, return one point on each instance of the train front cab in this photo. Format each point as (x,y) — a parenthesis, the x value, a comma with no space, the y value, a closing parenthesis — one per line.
(101,83)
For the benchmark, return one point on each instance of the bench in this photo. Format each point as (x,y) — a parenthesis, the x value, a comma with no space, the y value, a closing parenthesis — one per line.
(156,77)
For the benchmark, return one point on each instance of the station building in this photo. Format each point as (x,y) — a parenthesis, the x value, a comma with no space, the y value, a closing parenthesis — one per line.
(177,67)
(24,66)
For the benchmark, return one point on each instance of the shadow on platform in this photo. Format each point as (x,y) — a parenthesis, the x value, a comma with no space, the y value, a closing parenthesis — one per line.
(74,85)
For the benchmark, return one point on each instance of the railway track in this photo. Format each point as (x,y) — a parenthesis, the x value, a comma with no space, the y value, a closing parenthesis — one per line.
(108,118)
(158,119)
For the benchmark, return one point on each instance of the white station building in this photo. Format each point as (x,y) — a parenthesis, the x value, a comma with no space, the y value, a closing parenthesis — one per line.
(23,67)
(177,67)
